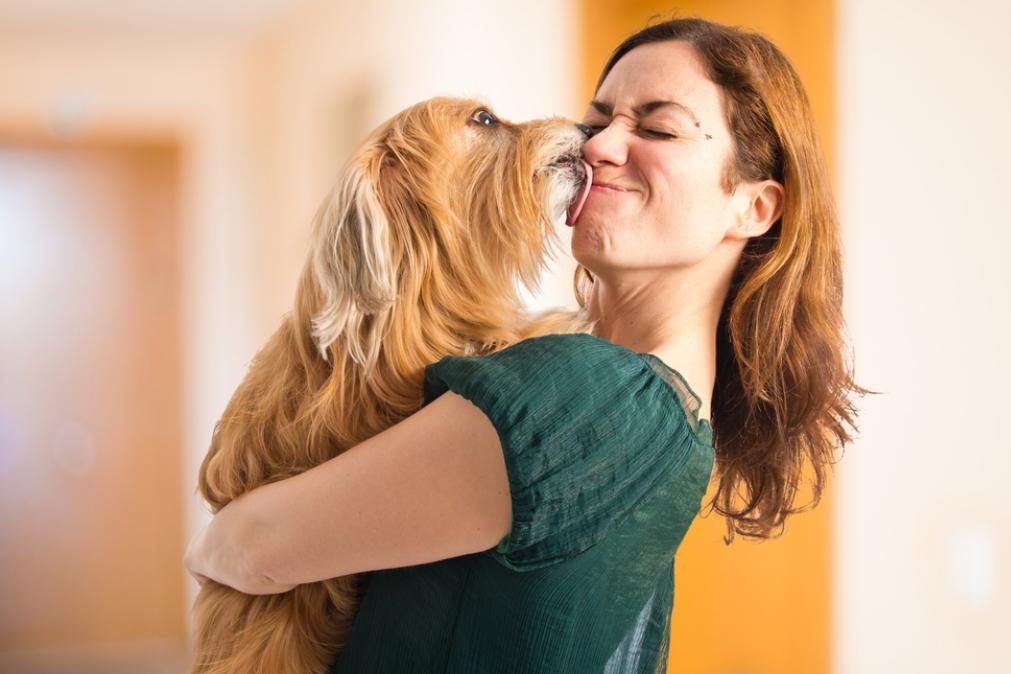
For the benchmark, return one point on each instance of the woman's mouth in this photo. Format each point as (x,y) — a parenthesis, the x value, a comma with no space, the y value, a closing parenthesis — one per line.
(607,187)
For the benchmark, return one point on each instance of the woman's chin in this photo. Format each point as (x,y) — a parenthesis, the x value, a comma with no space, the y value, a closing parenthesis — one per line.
(587,246)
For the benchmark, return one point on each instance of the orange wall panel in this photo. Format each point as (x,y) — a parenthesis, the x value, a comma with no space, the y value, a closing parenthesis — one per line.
(750,608)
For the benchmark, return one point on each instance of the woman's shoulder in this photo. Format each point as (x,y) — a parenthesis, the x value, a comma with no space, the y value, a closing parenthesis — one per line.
(568,357)
(573,371)
(572,347)
(547,363)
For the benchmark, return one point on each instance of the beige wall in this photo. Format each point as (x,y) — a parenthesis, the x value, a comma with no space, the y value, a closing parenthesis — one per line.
(924,524)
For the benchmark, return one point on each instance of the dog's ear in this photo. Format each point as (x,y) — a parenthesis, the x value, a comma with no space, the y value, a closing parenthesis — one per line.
(352,266)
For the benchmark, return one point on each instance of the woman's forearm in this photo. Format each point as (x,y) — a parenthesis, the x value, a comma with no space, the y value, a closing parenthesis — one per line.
(430,487)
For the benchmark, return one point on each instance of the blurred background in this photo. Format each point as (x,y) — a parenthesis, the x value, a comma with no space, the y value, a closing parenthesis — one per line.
(159,166)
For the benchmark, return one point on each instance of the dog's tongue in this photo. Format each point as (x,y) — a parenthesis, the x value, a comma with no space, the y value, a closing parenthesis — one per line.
(576,207)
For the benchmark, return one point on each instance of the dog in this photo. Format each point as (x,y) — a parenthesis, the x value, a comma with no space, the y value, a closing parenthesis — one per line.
(416,254)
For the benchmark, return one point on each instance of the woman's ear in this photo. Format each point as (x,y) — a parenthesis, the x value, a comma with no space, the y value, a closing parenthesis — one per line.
(351,262)
(761,205)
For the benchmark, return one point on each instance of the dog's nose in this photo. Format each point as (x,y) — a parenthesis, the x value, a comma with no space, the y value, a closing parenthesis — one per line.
(587,131)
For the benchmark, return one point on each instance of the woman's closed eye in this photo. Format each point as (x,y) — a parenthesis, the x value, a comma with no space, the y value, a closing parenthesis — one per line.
(648,133)
(656,133)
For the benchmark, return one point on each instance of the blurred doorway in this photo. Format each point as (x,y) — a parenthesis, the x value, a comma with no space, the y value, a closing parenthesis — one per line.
(90,408)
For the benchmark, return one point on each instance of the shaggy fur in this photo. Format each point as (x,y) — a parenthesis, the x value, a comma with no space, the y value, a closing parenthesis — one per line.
(416,255)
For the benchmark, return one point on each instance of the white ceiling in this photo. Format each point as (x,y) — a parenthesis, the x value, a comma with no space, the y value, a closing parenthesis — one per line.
(201,16)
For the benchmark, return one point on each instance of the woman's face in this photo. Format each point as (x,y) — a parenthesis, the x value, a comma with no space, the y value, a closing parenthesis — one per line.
(658,155)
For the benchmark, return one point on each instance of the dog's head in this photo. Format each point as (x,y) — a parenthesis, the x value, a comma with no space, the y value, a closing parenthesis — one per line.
(436,218)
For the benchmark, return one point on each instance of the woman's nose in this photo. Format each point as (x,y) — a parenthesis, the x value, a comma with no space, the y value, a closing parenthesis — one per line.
(607,146)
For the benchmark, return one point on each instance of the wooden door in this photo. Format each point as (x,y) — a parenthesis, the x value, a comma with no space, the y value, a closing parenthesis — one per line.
(90,429)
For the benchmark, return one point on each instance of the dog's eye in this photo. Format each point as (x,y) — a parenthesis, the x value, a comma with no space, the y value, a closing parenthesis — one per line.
(483,117)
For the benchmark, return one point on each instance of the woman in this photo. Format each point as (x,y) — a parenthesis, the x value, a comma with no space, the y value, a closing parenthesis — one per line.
(526,519)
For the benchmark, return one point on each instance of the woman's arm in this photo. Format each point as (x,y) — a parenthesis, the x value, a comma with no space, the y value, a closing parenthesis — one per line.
(433,486)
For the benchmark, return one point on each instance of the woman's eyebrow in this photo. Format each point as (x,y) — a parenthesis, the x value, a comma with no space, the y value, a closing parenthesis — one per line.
(646,108)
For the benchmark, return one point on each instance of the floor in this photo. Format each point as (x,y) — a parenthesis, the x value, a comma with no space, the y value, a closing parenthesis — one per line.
(147,657)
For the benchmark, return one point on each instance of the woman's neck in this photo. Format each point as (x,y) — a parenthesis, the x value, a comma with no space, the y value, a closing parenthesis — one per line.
(667,315)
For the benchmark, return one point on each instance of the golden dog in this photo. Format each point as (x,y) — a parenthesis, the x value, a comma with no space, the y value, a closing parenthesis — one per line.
(416,255)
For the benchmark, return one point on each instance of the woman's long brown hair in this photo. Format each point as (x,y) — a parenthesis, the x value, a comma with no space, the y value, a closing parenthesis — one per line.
(783,389)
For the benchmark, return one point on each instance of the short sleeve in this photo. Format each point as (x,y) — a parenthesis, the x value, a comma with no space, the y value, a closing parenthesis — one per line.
(587,432)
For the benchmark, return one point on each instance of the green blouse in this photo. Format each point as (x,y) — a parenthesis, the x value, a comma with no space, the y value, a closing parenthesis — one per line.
(607,464)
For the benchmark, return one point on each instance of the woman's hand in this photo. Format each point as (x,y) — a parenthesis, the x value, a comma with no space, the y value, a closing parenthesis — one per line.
(218,552)
(195,559)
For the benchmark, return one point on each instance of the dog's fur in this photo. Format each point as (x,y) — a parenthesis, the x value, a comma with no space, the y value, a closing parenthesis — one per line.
(416,255)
